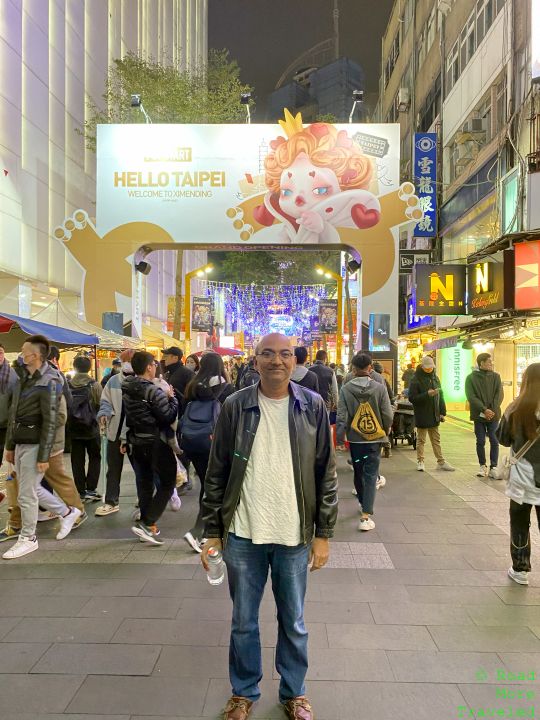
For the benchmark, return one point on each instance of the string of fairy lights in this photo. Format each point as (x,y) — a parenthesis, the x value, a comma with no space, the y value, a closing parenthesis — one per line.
(259,309)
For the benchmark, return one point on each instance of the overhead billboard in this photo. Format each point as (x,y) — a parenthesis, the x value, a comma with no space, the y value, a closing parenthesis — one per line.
(244,186)
(527,258)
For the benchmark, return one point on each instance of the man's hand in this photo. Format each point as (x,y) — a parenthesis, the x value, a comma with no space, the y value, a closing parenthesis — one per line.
(489,414)
(9,456)
(123,448)
(103,422)
(210,543)
(318,556)
(42,467)
(432,392)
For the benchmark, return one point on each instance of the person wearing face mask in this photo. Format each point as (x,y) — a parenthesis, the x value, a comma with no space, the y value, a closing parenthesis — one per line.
(111,418)
(193,363)
(426,396)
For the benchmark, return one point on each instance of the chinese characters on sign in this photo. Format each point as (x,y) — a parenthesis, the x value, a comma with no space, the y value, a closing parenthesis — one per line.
(425,180)
(415,321)
(441,289)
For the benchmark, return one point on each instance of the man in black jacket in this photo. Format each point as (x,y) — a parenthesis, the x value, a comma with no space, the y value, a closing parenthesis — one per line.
(426,396)
(328,387)
(30,436)
(271,502)
(149,415)
(485,393)
(301,374)
(176,373)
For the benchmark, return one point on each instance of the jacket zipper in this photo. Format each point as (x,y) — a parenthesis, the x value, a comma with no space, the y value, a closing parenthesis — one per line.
(300,478)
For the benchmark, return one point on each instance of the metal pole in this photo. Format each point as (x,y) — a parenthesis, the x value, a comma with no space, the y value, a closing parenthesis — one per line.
(187,311)
(339,334)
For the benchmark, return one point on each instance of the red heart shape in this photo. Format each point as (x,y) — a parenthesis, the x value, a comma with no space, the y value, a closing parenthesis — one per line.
(262,215)
(363,218)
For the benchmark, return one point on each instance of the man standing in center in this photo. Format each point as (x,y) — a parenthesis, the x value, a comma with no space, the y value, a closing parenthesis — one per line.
(271,502)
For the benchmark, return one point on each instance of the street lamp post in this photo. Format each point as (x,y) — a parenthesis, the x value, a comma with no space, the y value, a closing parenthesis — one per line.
(200,273)
(330,274)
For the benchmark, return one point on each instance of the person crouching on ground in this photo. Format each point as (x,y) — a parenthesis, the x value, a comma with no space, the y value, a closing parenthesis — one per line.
(149,414)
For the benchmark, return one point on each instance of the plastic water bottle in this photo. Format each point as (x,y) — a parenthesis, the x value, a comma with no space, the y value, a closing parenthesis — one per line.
(216,567)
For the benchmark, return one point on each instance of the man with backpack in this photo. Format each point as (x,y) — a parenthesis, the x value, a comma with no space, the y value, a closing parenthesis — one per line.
(83,429)
(365,415)
(149,415)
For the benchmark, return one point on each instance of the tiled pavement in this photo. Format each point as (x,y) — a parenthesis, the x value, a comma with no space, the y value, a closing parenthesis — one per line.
(415,620)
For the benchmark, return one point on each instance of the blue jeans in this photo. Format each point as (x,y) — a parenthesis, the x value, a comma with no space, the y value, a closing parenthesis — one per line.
(247,570)
(366,459)
(481,429)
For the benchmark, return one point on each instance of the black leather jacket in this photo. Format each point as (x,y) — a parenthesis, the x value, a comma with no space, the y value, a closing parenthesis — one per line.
(313,461)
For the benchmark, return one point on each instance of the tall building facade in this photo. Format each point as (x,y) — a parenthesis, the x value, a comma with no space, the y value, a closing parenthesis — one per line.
(316,91)
(462,69)
(54,57)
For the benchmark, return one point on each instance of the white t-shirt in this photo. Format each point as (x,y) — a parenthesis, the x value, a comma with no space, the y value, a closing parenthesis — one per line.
(268,508)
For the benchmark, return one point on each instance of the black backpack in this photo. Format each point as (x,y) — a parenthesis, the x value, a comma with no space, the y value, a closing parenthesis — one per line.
(82,416)
(198,424)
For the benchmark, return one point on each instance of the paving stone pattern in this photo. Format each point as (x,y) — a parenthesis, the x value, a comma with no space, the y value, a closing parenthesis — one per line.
(415,620)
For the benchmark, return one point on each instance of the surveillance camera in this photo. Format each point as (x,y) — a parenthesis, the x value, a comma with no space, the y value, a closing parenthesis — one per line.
(143,267)
(136,100)
(358,95)
(245,98)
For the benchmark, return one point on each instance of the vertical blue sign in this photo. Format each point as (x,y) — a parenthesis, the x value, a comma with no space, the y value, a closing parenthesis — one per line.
(425,180)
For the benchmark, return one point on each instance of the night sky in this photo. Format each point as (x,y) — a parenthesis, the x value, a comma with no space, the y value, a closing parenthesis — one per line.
(265,36)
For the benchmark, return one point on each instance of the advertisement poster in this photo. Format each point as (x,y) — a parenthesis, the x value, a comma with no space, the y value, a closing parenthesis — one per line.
(290,184)
(486,287)
(379,332)
(201,314)
(328,317)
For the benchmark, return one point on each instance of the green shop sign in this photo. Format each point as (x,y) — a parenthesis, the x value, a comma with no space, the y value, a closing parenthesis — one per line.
(456,365)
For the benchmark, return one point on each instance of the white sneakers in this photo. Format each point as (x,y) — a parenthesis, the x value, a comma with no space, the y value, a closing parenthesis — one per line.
(67,523)
(193,542)
(483,472)
(420,466)
(521,577)
(381,482)
(22,547)
(446,466)
(494,474)
(366,524)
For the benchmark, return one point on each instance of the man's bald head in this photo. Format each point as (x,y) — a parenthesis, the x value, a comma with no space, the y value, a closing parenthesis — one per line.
(274,360)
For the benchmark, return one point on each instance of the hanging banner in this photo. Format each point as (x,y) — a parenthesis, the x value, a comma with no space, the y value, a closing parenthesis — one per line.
(441,289)
(425,180)
(201,314)
(328,317)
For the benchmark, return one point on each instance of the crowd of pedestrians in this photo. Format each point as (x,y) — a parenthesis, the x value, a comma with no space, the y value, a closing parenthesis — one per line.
(259,437)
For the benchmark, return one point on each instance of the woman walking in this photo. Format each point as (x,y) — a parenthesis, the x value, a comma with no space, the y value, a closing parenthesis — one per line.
(203,399)
(520,430)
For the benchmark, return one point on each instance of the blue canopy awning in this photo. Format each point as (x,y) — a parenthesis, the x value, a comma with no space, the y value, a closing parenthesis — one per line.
(9,324)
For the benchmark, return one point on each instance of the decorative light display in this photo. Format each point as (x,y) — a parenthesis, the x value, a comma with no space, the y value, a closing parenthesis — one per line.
(259,309)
